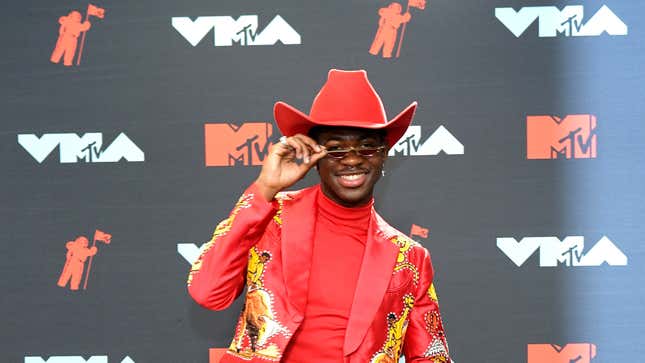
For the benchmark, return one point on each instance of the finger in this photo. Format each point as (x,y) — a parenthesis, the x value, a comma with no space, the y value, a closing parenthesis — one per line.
(302,150)
(280,149)
(309,142)
(315,157)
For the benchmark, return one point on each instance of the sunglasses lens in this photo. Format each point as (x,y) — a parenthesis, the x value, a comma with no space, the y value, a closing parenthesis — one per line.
(367,151)
(337,154)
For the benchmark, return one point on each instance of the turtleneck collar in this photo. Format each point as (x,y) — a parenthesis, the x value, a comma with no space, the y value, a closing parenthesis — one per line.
(350,217)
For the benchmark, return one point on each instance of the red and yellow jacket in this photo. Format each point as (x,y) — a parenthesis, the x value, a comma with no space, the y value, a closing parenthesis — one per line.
(267,247)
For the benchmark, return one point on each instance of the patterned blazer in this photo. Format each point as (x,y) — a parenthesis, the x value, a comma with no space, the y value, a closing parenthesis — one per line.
(267,247)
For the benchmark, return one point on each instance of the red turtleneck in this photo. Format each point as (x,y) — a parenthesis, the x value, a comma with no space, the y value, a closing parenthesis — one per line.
(338,246)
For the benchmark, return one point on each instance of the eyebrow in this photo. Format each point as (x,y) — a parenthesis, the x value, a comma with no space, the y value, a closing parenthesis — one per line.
(341,138)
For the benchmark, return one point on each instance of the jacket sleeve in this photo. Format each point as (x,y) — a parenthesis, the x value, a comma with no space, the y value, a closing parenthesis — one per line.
(217,277)
(425,339)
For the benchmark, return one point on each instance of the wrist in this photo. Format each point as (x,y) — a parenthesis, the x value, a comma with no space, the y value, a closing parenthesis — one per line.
(266,191)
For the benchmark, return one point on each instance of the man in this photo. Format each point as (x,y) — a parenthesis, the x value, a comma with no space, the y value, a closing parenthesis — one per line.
(328,280)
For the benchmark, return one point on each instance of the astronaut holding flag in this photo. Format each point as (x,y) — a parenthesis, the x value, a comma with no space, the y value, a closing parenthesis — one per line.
(391,19)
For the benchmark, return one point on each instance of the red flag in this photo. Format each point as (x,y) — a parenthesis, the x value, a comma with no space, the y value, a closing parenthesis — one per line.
(102,236)
(418,231)
(419,4)
(95,11)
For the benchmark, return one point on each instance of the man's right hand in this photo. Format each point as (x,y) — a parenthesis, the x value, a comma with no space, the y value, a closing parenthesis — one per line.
(287,163)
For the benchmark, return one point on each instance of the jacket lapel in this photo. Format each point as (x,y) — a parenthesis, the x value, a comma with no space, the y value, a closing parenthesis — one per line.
(298,222)
(374,277)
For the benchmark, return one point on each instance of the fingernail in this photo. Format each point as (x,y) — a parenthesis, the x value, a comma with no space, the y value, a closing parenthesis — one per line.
(306,160)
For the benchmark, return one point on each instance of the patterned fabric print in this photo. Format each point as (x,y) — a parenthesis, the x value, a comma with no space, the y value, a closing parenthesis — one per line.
(402,262)
(278,215)
(433,294)
(438,348)
(220,230)
(396,328)
(258,323)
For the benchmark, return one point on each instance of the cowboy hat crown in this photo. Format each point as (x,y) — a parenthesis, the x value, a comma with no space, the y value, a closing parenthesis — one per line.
(346,99)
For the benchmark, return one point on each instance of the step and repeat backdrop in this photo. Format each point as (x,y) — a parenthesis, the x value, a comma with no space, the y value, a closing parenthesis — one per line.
(129,129)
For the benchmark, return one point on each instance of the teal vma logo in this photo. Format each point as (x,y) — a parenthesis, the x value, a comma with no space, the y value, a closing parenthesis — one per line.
(568,252)
(568,22)
(87,148)
(243,31)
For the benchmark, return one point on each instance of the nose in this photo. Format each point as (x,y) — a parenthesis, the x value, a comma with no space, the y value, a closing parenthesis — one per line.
(352,158)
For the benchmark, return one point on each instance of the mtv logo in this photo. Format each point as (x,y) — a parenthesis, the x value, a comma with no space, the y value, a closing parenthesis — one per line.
(441,140)
(552,353)
(215,354)
(228,144)
(74,359)
(87,148)
(552,137)
(242,31)
(568,21)
(568,252)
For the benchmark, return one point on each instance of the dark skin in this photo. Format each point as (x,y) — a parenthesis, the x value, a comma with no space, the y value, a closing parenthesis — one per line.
(348,181)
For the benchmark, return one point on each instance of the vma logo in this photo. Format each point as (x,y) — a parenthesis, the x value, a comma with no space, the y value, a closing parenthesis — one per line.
(552,353)
(552,137)
(441,140)
(243,31)
(87,148)
(567,22)
(189,251)
(75,359)
(568,252)
(228,144)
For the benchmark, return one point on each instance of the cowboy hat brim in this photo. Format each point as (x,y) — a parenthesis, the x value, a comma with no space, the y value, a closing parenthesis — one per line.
(292,121)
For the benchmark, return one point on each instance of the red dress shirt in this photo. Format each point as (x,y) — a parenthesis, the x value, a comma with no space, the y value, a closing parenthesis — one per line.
(338,247)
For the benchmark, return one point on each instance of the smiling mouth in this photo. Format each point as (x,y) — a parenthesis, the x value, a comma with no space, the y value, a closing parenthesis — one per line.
(352,180)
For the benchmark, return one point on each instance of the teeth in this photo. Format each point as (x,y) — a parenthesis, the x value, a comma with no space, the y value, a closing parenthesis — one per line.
(351,177)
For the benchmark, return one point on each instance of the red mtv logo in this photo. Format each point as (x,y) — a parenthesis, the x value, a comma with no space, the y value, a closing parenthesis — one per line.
(552,137)
(228,144)
(552,353)
(215,354)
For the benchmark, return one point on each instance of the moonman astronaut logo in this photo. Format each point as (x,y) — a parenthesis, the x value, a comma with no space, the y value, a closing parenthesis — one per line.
(418,231)
(228,144)
(391,18)
(569,353)
(77,253)
(569,137)
(70,28)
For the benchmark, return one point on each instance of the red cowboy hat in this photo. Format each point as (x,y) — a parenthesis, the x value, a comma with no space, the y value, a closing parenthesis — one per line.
(346,99)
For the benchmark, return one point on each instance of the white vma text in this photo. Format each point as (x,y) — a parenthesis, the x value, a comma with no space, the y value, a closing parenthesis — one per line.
(568,252)
(87,148)
(243,31)
(410,144)
(568,22)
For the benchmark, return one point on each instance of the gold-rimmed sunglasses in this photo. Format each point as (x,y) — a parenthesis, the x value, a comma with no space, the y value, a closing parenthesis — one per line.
(365,151)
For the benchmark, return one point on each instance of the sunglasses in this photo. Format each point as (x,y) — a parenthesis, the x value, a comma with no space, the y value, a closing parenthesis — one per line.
(365,151)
